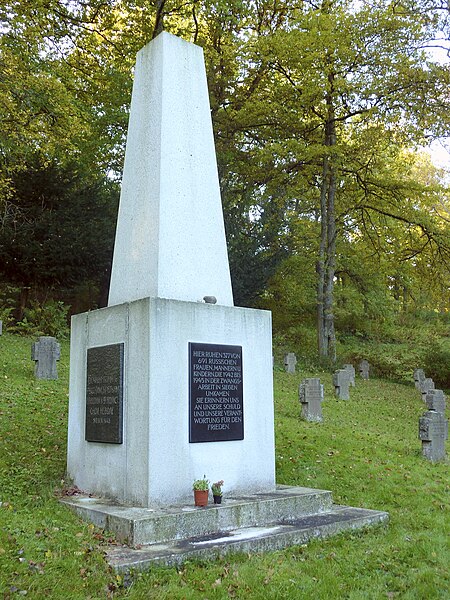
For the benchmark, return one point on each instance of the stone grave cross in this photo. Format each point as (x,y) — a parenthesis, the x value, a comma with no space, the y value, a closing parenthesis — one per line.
(45,353)
(435,400)
(341,384)
(433,431)
(351,373)
(311,397)
(290,360)
(364,369)
(419,376)
(425,386)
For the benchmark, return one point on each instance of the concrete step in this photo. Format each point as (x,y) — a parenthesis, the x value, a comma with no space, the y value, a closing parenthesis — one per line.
(138,526)
(274,536)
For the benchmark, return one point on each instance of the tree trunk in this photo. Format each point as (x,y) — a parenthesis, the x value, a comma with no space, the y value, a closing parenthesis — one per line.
(320,268)
(326,264)
(23,302)
(159,17)
(330,269)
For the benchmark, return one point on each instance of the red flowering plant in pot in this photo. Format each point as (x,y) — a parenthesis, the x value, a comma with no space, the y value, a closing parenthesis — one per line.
(216,489)
(201,489)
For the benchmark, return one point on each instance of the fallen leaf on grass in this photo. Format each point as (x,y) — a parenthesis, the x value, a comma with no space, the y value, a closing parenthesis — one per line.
(36,567)
(269,576)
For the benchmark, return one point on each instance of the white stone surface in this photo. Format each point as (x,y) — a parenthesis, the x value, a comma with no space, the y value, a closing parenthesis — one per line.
(170,239)
(241,534)
(156,463)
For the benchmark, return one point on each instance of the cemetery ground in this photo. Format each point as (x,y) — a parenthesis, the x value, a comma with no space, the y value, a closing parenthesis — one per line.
(366,451)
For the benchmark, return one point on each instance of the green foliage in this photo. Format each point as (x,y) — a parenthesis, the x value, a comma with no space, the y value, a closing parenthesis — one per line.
(394,346)
(397,346)
(201,484)
(436,363)
(59,228)
(301,339)
(216,488)
(8,302)
(387,360)
(255,250)
(48,318)
(292,90)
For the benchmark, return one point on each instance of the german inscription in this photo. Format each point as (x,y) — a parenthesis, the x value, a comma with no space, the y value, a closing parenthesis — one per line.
(215,393)
(104,394)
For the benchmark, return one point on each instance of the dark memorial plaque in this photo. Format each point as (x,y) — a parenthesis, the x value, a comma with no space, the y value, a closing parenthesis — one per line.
(104,394)
(216,408)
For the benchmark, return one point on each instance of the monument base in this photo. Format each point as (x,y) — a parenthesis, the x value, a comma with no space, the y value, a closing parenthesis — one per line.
(163,392)
(252,523)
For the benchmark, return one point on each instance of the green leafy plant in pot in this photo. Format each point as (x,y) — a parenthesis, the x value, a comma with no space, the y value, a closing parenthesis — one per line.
(216,489)
(201,489)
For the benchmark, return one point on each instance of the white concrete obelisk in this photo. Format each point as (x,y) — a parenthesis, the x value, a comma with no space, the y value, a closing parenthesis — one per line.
(166,387)
(170,239)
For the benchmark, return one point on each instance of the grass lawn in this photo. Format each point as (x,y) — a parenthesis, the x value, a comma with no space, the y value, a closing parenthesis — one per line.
(366,451)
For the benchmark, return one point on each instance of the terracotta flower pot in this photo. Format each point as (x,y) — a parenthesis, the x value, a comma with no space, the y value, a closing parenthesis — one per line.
(201,497)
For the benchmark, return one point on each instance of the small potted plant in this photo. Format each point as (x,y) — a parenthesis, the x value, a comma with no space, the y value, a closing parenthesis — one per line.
(201,488)
(216,489)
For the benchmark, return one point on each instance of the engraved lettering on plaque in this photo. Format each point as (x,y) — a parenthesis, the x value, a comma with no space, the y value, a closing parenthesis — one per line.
(104,394)
(216,409)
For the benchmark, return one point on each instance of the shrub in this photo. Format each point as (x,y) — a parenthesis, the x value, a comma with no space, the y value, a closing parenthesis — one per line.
(8,299)
(436,364)
(48,318)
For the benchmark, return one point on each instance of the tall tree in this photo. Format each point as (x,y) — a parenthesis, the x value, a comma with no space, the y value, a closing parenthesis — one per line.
(305,99)
(61,230)
(337,73)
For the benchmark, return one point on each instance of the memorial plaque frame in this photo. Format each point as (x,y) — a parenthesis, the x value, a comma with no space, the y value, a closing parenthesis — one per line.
(216,404)
(104,394)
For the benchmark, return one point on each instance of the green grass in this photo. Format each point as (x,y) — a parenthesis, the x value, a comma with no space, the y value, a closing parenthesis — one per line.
(366,452)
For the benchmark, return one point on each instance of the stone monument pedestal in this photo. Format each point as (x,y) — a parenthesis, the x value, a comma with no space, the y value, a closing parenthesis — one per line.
(165,388)
(166,397)
(250,523)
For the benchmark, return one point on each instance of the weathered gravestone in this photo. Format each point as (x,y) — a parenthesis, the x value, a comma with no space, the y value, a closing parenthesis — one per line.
(290,360)
(45,353)
(419,376)
(435,400)
(311,397)
(341,384)
(425,386)
(351,373)
(433,431)
(364,368)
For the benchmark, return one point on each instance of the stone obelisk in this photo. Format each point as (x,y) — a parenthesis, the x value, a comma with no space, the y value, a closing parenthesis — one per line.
(170,239)
(164,386)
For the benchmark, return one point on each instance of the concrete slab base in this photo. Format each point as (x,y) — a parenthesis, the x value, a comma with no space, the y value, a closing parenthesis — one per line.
(257,523)
(248,539)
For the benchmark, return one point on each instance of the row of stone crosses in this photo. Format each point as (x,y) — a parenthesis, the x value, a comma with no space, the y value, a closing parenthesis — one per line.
(342,378)
(433,426)
(311,390)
